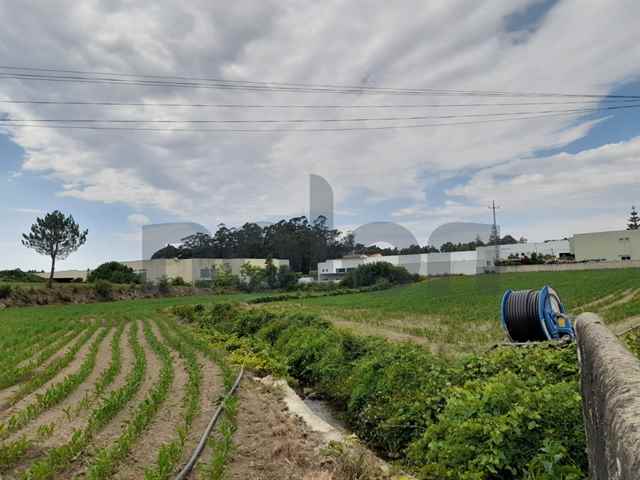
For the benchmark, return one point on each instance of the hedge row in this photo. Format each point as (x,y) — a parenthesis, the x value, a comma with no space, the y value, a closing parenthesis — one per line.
(511,413)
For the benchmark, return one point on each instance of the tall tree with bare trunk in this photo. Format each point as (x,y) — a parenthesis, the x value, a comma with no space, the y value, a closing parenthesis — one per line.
(57,236)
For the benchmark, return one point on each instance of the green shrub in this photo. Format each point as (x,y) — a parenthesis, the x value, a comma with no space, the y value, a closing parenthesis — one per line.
(496,428)
(163,286)
(510,413)
(114,272)
(188,313)
(372,273)
(103,290)
(18,275)
(178,282)
(5,291)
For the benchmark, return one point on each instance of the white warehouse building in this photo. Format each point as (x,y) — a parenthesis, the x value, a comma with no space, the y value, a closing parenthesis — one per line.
(617,245)
(452,263)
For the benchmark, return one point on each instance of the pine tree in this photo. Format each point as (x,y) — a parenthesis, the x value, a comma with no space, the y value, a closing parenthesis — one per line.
(634,220)
(56,236)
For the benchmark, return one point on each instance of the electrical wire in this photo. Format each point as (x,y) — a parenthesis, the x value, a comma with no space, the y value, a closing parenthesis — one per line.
(281,130)
(300,106)
(61,75)
(321,120)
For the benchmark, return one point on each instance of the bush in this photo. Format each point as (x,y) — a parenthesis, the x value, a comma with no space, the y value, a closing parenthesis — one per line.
(114,272)
(18,275)
(287,279)
(178,282)
(372,273)
(5,291)
(103,290)
(163,286)
(509,413)
(496,428)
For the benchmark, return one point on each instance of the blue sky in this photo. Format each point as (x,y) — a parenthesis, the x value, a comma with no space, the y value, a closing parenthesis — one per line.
(552,177)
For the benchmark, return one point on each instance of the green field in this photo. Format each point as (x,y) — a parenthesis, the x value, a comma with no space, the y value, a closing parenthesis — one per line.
(463,313)
(69,373)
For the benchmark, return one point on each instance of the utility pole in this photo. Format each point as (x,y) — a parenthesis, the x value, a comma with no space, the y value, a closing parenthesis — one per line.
(494,231)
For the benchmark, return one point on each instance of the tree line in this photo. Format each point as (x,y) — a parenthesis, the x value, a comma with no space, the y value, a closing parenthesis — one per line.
(298,240)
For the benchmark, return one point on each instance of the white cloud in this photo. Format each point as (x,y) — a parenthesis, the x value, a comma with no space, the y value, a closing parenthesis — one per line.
(212,177)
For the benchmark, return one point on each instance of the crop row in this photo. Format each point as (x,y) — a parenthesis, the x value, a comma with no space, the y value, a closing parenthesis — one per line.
(51,370)
(109,457)
(170,453)
(15,372)
(59,459)
(221,442)
(57,392)
(103,403)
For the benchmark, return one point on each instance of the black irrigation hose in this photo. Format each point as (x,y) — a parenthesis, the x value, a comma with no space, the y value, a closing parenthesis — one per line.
(523,319)
(184,473)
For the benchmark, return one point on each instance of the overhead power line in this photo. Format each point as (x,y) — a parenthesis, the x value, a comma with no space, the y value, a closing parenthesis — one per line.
(134,79)
(278,130)
(515,116)
(304,106)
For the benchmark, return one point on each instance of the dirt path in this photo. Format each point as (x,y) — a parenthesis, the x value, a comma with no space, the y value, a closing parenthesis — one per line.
(626,297)
(371,330)
(270,444)
(211,390)
(63,415)
(625,325)
(600,302)
(73,366)
(164,426)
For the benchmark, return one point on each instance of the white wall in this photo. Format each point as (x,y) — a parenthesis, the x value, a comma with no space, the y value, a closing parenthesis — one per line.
(609,246)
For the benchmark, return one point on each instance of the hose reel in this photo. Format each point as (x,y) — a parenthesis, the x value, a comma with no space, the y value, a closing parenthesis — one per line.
(535,316)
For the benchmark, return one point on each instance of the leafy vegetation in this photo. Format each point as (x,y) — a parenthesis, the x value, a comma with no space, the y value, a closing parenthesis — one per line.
(511,413)
(405,402)
(18,276)
(114,272)
(372,273)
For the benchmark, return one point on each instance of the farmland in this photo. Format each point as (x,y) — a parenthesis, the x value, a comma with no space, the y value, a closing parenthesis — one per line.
(462,314)
(71,376)
(123,389)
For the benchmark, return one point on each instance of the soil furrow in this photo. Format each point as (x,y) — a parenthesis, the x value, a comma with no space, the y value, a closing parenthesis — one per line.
(114,429)
(64,416)
(211,391)
(72,367)
(7,394)
(164,426)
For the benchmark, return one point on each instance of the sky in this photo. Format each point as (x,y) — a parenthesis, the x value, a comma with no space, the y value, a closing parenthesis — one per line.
(552,176)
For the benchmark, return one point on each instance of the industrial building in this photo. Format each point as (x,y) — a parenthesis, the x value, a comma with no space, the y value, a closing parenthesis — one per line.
(454,263)
(194,269)
(617,245)
(481,260)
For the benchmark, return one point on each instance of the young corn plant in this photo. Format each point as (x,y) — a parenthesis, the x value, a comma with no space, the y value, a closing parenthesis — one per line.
(57,392)
(170,453)
(60,458)
(108,458)
(222,443)
(52,370)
